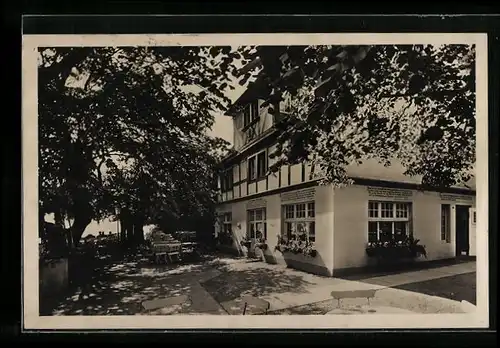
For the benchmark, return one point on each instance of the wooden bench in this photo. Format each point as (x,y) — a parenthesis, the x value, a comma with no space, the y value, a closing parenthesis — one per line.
(255,301)
(339,295)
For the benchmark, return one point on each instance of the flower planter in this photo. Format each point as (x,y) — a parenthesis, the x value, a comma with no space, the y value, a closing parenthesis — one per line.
(266,254)
(392,253)
(246,244)
(305,263)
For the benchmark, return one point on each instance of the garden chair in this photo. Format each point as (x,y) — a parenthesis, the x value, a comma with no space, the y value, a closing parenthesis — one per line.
(261,304)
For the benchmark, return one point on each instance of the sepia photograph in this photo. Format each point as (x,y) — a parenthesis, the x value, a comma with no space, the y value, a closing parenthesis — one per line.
(283,180)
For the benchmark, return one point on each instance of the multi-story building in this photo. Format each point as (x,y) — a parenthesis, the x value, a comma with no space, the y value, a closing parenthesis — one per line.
(340,221)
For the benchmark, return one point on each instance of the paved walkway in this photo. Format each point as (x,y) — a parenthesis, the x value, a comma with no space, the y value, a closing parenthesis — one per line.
(216,288)
(422,275)
(319,289)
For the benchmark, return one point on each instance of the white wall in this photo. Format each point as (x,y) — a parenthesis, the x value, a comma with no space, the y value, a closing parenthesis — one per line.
(351,223)
(372,169)
(323,198)
(350,229)
(427,225)
(472,232)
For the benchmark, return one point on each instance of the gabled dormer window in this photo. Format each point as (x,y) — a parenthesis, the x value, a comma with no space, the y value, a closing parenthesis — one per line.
(250,113)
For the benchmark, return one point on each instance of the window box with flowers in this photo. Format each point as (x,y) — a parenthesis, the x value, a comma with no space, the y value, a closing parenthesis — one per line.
(296,247)
(390,234)
(299,230)
(407,248)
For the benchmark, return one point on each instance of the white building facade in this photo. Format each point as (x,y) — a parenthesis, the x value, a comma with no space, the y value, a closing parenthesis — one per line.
(339,221)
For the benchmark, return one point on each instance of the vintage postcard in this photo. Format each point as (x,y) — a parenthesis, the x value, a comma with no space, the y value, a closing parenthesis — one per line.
(255,181)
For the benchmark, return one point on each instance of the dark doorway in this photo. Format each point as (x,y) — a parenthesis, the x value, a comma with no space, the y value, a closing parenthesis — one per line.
(462,230)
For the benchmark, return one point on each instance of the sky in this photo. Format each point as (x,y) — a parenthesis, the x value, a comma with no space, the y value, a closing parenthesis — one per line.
(223,127)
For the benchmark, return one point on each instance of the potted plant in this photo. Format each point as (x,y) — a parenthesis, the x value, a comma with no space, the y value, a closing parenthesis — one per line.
(261,244)
(246,242)
(260,241)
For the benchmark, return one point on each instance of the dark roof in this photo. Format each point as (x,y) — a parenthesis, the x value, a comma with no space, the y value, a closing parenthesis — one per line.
(256,89)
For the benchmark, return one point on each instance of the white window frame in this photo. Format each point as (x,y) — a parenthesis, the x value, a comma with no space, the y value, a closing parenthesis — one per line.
(256,167)
(309,218)
(252,223)
(225,175)
(227,218)
(446,223)
(392,219)
(250,107)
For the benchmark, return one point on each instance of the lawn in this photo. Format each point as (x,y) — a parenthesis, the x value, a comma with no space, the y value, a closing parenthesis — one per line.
(458,287)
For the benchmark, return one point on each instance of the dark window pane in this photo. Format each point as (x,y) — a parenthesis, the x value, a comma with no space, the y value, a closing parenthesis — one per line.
(372,226)
(252,174)
(385,230)
(261,164)
(288,230)
(312,231)
(400,230)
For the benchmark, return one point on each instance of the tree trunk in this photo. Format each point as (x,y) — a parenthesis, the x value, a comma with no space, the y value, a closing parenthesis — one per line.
(139,229)
(126,227)
(123,230)
(130,232)
(79,225)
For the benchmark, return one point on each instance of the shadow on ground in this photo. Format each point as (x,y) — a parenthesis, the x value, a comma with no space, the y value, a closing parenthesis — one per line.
(231,285)
(458,287)
(120,289)
(380,271)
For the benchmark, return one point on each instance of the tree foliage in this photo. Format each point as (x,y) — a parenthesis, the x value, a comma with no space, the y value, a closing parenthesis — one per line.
(412,103)
(125,130)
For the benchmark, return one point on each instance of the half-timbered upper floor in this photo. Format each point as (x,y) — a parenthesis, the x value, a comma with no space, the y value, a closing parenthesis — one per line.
(246,171)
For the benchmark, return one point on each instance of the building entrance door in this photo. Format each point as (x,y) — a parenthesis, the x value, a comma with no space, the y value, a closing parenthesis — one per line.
(462,230)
